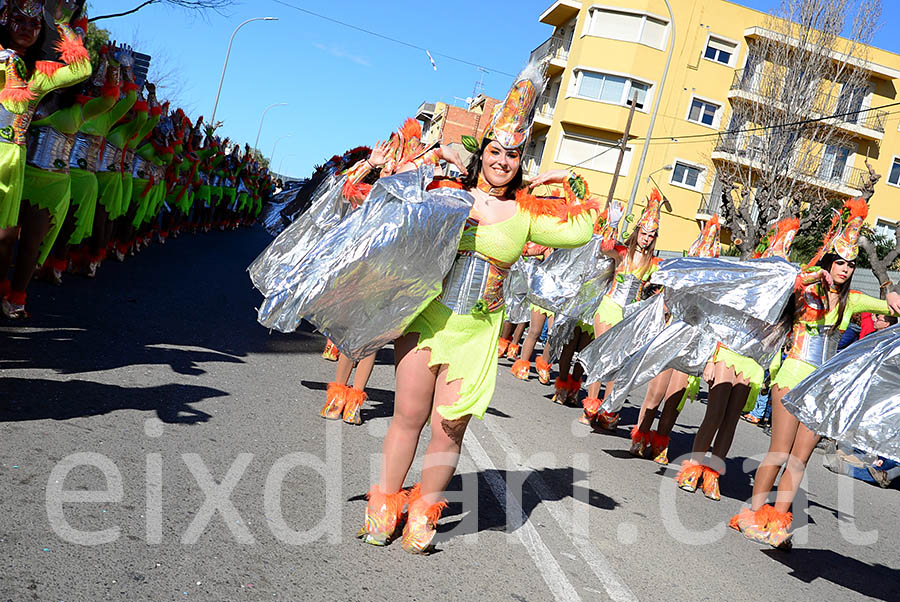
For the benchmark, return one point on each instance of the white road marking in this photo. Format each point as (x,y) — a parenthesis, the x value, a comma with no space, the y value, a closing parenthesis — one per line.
(551,572)
(597,562)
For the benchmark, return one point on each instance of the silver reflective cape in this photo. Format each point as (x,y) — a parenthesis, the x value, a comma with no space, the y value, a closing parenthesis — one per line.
(855,397)
(368,276)
(608,352)
(515,290)
(594,273)
(271,217)
(274,266)
(559,278)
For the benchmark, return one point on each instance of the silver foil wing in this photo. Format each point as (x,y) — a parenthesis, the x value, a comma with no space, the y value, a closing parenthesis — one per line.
(273,267)
(854,397)
(271,217)
(609,351)
(679,345)
(515,290)
(369,276)
(559,278)
(700,286)
(596,275)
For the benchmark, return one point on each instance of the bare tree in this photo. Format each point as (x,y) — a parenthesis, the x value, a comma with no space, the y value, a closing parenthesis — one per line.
(789,146)
(218,6)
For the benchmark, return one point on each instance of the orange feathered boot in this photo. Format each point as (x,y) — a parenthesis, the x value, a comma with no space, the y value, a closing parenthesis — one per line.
(560,390)
(591,407)
(689,476)
(640,441)
(512,351)
(354,402)
(521,369)
(421,523)
(335,398)
(710,485)
(543,370)
(778,534)
(331,353)
(383,515)
(502,345)
(659,448)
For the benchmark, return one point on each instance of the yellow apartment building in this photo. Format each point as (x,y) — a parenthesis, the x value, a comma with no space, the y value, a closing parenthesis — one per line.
(603,55)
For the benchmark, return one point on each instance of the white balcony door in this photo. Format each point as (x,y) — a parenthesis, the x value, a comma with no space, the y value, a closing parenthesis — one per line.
(834,163)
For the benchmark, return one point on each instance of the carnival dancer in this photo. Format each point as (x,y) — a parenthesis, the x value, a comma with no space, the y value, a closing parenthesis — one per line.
(26,82)
(521,368)
(94,98)
(402,148)
(635,263)
(511,333)
(734,382)
(109,163)
(446,361)
(671,386)
(824,305)
(148,174)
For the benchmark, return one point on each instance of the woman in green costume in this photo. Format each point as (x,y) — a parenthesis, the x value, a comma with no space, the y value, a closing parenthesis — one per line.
(95,98)
(446,362)
(734,383)
(823,304)
(109,162)
(148,173)
(26,81)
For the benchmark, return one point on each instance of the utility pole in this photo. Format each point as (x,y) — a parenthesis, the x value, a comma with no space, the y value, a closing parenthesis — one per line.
(623,148)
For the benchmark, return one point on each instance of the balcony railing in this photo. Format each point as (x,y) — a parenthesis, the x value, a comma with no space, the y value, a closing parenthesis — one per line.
(555,47)
(833,175)
(546,106)
(841,106)
(531,165)
(708,205)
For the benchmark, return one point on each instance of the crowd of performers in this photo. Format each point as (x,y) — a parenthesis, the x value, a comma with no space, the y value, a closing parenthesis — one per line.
(391,251)
(91,163)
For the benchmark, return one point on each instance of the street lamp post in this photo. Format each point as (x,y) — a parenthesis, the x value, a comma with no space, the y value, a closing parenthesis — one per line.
(263,118)
(281,164)
(656,102)
(658,187)
(277,140)
(212,121)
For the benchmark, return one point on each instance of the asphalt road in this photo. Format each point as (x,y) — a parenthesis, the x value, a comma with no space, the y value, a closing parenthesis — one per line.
(157,444)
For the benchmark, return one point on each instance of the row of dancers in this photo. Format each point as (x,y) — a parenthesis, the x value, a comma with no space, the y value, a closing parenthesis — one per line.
(446,352)
(91,163)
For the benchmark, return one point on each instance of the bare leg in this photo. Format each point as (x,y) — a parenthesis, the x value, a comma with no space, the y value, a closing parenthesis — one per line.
(804,445)
(8,238)
(442,454)
(35,224)
(412,407)
(344,369)
(784,433)
(507,330)
(517,334)
(600,329)
(534,331)
(655,394)
(363,372)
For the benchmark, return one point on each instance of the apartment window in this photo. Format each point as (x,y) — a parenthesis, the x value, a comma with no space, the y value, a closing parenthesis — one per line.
(689,176)
(592,153)
(614,89)
(886,228)
(703,112)
(628,27)
(719,50)
(834,163)
(894,177)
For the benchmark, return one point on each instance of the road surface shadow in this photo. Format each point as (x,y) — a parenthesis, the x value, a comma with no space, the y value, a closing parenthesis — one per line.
(482,512)
(877,581)
(40,399)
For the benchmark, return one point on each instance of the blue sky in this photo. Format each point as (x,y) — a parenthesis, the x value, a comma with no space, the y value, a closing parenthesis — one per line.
(344,87)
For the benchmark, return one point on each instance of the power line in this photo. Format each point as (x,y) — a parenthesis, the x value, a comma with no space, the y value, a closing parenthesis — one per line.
(390,39)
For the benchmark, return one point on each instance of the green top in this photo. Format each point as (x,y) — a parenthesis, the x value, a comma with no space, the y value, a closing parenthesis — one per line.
(70,119)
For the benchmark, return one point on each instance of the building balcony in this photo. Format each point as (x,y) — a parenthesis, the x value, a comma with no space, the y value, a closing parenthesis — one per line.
(855,120)
(708,206)
(543,117)
(560,12)
(555,51)
(531,165)
(841,179)
(425,111)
